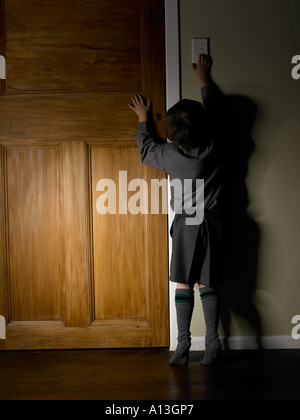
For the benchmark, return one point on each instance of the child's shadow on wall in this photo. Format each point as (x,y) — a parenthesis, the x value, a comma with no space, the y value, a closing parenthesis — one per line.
(241,232)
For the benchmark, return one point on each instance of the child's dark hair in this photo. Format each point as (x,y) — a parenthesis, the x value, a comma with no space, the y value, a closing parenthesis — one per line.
(184,124)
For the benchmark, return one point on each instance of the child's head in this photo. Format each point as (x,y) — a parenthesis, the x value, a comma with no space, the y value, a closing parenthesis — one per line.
(184,124)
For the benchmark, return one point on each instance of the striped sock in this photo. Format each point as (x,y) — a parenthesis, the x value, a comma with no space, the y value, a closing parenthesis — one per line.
(210,304)
(184,303)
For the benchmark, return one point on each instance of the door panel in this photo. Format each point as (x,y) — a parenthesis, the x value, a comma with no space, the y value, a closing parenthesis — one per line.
(116,236)
(34,232)
(71,277)
(77,45)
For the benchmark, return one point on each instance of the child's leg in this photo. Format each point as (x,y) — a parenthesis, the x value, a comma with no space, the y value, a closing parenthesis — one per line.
(184,303)
(211,309)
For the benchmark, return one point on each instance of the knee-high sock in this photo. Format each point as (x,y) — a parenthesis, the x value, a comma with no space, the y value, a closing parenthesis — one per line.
(211,310)
(184,303)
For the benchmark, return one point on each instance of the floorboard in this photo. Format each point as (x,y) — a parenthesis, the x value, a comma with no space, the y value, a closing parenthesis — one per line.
(144,374)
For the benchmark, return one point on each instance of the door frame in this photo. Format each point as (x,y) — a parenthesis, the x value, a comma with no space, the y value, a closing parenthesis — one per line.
(173,95)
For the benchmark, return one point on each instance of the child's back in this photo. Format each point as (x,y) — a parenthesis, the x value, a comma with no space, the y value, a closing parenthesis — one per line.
(193,155)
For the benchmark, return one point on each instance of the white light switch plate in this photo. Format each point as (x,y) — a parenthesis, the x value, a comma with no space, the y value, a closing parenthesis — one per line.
(200,46)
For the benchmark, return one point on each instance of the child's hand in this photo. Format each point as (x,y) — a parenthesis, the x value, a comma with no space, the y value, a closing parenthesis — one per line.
(140,107)
(202,69)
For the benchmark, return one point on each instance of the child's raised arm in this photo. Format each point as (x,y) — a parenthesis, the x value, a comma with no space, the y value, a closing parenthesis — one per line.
(202,70)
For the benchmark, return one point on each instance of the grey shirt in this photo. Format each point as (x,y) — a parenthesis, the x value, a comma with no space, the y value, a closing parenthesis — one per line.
(196,164)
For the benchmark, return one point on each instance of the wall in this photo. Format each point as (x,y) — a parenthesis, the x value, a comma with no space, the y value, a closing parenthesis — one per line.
(252,44)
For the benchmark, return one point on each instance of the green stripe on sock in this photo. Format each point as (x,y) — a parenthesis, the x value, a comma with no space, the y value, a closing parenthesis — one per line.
(205,295)
(183,298)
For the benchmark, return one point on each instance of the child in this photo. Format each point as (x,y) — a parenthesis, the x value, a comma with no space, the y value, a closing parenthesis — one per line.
(194,153)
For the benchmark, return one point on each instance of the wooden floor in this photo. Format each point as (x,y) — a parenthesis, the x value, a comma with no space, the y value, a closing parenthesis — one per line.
(145,374)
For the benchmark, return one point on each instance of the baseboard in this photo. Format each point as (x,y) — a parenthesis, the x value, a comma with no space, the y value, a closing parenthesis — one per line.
(250,343)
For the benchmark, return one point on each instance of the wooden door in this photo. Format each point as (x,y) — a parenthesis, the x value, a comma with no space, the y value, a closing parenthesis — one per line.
(71,277)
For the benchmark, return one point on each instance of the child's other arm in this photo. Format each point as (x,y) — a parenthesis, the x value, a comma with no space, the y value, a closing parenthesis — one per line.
(141,108)
(151,151)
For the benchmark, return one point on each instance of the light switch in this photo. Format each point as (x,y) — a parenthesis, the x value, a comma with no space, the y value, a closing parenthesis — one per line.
(200,46)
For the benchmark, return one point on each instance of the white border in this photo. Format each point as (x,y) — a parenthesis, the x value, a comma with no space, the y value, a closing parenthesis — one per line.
(172,97)
(172,52)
